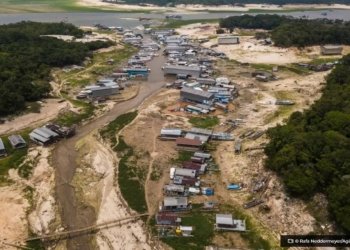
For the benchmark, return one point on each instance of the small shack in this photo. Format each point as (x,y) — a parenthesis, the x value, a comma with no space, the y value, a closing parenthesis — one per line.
(17,141)
(175,204)
(331,50)
(228,40)
(226,222)
(2,149)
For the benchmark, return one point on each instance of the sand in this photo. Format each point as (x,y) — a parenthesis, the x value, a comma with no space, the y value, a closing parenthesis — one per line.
(199,7)
(97,181)
(49,110)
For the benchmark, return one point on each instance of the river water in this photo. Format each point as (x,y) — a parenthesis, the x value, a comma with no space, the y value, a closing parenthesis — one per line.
(130,20)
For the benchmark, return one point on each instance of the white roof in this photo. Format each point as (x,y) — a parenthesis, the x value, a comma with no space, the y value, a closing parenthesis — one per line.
(225,219)
(185,172)
(202,138)
(186,228)
(171,131)
(175,201)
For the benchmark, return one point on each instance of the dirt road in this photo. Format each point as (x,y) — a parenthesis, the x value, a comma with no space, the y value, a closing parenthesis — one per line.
(74,213)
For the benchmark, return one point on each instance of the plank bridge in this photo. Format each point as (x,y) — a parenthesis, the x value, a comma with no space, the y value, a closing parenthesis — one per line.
(86,230)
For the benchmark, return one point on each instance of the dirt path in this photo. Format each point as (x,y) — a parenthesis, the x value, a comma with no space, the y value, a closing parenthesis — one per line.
(150,169)
(75,214)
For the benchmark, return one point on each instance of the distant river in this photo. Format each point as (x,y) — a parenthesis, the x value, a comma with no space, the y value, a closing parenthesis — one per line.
(130,20)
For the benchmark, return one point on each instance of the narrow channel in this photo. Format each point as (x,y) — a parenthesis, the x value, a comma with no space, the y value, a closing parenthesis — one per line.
(74,213)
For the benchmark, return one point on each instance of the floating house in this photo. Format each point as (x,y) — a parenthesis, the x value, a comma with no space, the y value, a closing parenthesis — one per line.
(188,144)
(175,204)
(167,219)
(170,133)
(17,141)
(43,136)
(194,71)
(197,96)
(226,222)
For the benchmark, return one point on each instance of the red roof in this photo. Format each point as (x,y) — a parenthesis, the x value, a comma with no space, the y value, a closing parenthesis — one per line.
(191,165)
(188,142)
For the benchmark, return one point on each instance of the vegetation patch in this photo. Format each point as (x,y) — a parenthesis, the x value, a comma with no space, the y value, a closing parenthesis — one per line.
(183,156)
(289,32)
(203,232)
(131,179)
(27,58)
(204,122)
(109,132)
(312,151)
(14,159)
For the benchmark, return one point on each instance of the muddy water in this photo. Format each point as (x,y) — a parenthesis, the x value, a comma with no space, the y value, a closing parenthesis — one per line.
(74,213)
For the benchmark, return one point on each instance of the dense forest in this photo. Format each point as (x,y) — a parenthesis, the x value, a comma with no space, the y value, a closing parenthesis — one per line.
(312,151)
(26,59)
(221,2)
(287,32)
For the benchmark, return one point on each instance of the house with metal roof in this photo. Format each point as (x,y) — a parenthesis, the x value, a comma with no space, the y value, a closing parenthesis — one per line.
(185,172)
(175,204)
(43,136)
(188,144)
(331,50)
(2,149)
(170,133)
(226,222)
(200,137)
(197,96)
(193,71)
(202,155)
(167,219)
(174,190)
(228,40)
(17,141)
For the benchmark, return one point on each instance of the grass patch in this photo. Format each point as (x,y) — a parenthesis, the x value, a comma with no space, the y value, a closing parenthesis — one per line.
(174,24)
(262,66)
(109,132)
(131,179)
(97,68)
(318,61)
(252,235)
(14,159)
(183,156)
(204,122)
(203,225)
(72,118)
